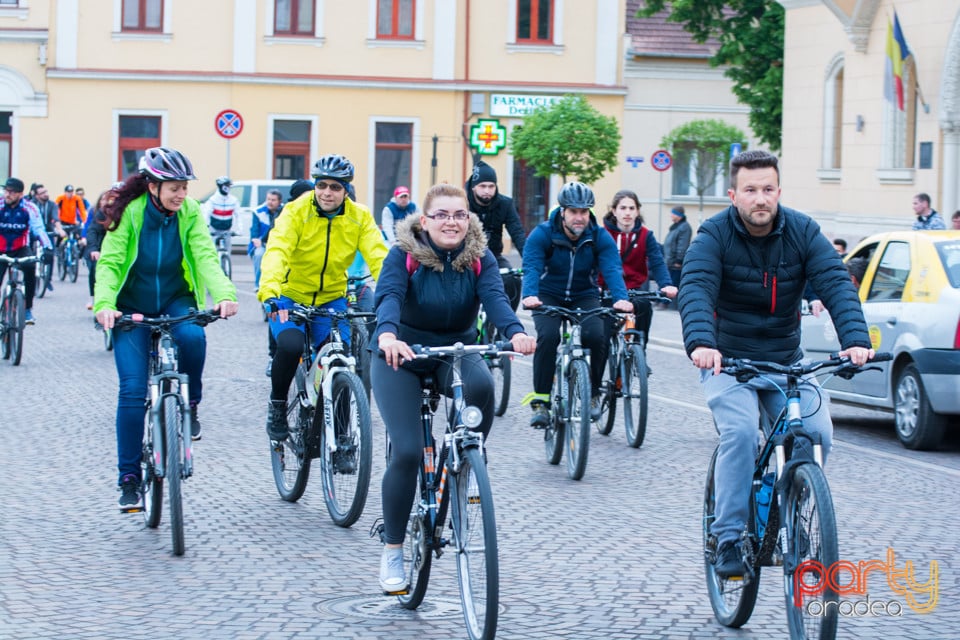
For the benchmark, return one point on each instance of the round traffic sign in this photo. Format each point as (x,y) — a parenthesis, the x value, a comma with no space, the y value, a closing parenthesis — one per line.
(229,124)
(661,160)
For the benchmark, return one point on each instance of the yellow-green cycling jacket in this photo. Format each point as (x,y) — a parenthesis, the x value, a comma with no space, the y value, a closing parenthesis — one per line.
(201,266)
(308,254)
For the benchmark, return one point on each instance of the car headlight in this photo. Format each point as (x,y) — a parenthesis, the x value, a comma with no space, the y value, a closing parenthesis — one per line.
(471,417)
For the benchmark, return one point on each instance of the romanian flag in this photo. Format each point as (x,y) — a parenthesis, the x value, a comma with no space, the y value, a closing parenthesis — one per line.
(897,52)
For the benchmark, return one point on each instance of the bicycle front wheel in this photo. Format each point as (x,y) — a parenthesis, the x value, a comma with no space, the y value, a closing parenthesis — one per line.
(62,263)
(73,266)
(553,433)
(609,390)
(17,320)
(226,264)
(346,468)
(475,545)
(152,485)
(812,542)
(359,339)
(417,552)
(290,459)
(635,378)
(501,369)
(578,423)
(43,276)
(173,419)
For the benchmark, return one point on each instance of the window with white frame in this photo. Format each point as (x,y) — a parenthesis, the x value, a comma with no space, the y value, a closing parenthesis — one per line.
(395,19)
(142,15)
(393,160)
(135,134)
(535,21)
(696,172)
(294,17)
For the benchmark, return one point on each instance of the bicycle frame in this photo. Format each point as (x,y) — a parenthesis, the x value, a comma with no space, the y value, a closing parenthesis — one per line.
(164,360)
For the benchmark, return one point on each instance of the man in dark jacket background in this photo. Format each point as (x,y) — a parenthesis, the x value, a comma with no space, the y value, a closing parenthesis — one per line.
(740,293)
(495,211)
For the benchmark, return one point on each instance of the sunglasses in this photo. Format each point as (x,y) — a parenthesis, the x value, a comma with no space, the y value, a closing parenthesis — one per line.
(336,187)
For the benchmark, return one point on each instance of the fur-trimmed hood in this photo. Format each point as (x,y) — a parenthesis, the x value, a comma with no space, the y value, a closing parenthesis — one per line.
(413,239)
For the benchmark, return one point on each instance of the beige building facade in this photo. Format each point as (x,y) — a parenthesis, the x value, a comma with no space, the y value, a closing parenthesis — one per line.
(86,85)
(851,157)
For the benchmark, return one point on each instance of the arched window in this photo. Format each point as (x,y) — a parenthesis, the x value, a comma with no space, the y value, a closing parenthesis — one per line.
(833,115)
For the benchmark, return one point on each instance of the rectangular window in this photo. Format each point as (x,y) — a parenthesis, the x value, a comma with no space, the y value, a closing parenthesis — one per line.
(142,15)
(395,19)
(9,3)
(695,173)
(535,21)
(137,134)
(6,143)
(291,149)
(892,273)
(393,160)
(294,18)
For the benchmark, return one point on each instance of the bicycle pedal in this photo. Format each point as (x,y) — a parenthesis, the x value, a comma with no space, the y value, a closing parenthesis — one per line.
(136,509)
(402,592)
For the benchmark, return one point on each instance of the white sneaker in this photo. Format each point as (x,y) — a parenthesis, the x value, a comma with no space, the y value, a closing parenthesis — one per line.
(393,578)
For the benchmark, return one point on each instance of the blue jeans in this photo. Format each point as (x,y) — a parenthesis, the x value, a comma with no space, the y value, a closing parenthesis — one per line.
(736,412)
(131,353)
(256,255)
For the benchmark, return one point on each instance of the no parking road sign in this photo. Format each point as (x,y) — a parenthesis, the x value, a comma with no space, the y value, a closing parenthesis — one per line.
(229,124)
(661,160)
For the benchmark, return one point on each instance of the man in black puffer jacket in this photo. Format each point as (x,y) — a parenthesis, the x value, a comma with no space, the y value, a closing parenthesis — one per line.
(741,287)
(495,211)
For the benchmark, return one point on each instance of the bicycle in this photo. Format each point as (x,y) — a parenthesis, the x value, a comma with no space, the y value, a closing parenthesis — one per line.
(500,366)
(359,328)
(627,374)
(454,479)
(570,396)
(44,272)
(13,309)
(167,445)
(222,240)
(68,253)
(341,436)
(791,520)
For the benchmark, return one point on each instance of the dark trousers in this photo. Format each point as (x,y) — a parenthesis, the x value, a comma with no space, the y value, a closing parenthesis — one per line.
(592,336)
(29,274)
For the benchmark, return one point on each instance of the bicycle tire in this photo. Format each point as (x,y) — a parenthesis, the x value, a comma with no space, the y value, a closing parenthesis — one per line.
(732,600)
(151,486)
(578,425)
(501,368)
(609,390)
(635,395)
(417,554)
(61,262)
(173,421)
(474,532)
(290,459)
(346,471)
(15,328)
(108,339)
(73,265)
(42,279)
(5,329)
(811,536)
(553,432)
(359,339)
(226,264)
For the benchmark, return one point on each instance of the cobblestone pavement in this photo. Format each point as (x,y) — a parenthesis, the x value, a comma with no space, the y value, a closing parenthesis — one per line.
(617,555)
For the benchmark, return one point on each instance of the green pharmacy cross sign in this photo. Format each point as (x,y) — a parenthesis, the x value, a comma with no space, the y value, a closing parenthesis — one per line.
(488,137)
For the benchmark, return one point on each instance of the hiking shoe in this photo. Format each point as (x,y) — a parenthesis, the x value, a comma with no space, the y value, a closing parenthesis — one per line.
(729,562)
(194,423)
(130,497)
(595,407)
(29,317)
(393,578)
(277,427)
(541,415)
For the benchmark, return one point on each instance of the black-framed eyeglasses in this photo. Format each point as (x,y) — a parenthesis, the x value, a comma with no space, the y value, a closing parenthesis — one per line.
(443,216)
(333,186)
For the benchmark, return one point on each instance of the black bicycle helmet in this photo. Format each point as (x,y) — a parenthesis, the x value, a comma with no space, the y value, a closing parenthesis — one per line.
(163,164)
(224,181)
(333,166)
(576,195)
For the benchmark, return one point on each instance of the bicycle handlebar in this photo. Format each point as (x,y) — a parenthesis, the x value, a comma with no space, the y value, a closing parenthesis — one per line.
(202,318)
(745,369)
(18,261)
(503,347)
(508,271)
(577,315)
(305,313)
(641,294)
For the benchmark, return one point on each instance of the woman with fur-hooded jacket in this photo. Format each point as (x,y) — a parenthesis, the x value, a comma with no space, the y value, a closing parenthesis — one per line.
(429,292)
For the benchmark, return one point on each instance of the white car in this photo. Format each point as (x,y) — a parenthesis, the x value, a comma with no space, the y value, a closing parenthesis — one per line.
(252,194)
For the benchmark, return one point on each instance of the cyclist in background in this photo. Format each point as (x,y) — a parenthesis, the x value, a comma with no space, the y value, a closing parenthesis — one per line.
(221,206)
(18,220)
(496,211)
(741,287)
(263,220)
(49,216)
(73,213)
(640,255)
(561,261)
(157,259)
(436,305)
(312,245)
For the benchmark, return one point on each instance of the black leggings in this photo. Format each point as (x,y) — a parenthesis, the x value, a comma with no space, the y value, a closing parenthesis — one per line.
(29,274)
(398,398)
(285,361)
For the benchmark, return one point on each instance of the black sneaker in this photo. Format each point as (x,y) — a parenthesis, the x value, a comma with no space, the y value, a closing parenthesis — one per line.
(277,427)
(541,415)
(269,370)
(729,562)
(130,496)
(195,427)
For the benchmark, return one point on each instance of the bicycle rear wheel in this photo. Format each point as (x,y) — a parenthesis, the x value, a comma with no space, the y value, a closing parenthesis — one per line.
(475,543)
(501,369)
(417,553)
(578,425)
(290,459)
(635,379)
(732,600)
(16,322)
(346,469)
(173,419)
(152,485)
(811,538)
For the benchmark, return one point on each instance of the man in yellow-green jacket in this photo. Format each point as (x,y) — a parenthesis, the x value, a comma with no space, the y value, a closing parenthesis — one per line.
(311,247)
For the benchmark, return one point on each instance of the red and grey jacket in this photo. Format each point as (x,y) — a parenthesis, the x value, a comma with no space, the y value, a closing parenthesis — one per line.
(16,223)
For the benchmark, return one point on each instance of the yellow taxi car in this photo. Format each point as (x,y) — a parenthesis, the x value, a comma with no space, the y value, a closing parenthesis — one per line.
(909,285)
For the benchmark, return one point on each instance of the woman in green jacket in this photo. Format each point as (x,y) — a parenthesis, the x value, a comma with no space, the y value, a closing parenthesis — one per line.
(157,258)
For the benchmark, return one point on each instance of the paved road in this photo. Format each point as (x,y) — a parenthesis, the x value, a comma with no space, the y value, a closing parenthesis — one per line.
(616,555)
